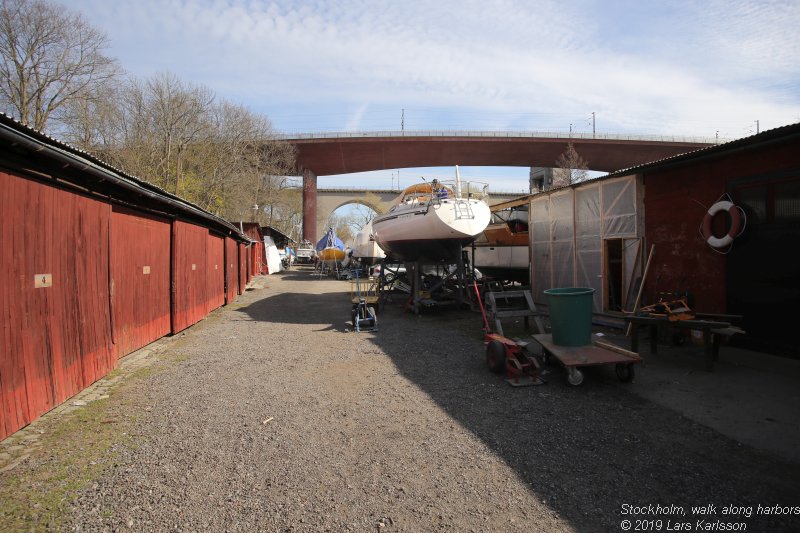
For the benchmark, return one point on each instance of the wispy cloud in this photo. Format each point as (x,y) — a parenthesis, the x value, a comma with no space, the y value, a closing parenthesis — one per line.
(672,67)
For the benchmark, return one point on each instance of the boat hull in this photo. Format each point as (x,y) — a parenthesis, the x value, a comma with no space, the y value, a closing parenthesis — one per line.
(365,249)
(430,232)
(511,263)
(330,255)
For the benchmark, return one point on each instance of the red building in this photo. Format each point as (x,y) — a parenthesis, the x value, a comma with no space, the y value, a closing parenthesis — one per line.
(94,265)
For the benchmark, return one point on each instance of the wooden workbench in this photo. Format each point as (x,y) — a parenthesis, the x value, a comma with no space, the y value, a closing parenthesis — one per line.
(713,331)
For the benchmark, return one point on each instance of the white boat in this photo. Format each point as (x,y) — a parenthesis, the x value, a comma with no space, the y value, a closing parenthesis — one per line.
(365,249)
(432,221)
(502,251)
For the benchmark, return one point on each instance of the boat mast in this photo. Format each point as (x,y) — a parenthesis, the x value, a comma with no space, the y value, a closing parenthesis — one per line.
(458,183)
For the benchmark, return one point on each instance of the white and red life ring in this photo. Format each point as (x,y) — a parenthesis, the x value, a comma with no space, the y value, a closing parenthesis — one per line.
(733,232)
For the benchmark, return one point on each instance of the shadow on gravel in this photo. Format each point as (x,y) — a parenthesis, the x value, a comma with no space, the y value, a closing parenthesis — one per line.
(586,451)
(294,308)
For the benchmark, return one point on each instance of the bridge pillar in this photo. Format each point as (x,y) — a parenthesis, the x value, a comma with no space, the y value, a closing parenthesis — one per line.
(309,206)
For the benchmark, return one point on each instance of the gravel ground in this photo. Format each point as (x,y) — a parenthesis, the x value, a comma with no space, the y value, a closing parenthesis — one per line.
(277,418)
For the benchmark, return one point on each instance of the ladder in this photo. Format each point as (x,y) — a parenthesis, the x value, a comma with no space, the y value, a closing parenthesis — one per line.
(463,209)
(510,304)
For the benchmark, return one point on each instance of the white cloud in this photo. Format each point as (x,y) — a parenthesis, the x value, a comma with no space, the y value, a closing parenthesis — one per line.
(682,67)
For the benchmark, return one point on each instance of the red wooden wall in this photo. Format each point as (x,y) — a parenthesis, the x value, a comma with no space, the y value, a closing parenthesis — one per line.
(243,272)
(55,339)
(140,275)
(83,283)
(231,270)
(258,263)
(189,280)
(675,202)
(215,281)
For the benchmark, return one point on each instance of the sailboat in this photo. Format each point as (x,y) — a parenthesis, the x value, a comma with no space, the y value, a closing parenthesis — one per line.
(365,249)
(432,221)
(330,248)
(502,251)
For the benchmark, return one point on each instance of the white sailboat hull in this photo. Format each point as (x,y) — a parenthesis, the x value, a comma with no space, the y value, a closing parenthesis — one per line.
(432,231)
(365,248)
(504,262)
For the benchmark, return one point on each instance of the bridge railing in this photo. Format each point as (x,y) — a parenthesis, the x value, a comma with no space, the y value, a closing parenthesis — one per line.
(501,134)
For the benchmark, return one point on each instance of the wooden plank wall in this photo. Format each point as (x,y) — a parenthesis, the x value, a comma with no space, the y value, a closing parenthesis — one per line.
(189,279)
(242,249)
(140,275)
(84,283)
(215,282)
(54,274)
(231,270)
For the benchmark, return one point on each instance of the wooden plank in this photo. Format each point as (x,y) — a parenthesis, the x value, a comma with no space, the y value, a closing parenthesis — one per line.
(641,286)
(615,348)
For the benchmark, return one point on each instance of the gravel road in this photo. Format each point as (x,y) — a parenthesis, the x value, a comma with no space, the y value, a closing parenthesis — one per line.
(278,418)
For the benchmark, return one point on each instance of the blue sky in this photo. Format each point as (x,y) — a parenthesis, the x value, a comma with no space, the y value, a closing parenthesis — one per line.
(694,68)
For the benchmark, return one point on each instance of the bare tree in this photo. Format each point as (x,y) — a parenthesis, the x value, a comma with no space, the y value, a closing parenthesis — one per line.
(50,57)
(570,168)
(179,113)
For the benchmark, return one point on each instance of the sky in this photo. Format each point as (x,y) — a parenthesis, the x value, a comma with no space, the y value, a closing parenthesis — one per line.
(697,68)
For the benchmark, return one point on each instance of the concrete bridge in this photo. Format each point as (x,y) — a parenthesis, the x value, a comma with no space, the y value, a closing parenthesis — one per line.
(323,154)
(379,200)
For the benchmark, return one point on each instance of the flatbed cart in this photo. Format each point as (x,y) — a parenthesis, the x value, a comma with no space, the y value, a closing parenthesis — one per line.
(598,353)
(364,297)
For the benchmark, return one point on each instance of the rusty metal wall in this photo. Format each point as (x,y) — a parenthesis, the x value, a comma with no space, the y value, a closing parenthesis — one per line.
(55,335)
(140,275)
(189,279)
(215,290)
(231,270)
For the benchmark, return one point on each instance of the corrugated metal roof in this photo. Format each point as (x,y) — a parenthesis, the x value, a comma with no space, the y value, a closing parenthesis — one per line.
(88,161)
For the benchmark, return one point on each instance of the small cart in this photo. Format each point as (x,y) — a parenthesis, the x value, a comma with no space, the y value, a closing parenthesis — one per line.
(598,353)
(364,297)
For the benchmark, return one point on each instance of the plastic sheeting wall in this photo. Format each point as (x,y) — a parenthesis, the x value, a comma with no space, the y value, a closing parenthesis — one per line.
(140,274)
(55,335)
(568,230)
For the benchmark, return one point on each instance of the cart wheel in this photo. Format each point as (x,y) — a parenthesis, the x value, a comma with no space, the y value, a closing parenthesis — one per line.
(625,372)
(496,356)
(574,376)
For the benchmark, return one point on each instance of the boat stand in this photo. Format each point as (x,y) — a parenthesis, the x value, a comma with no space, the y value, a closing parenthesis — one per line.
(421,296)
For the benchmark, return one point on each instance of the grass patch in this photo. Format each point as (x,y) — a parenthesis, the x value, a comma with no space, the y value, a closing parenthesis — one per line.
(76,449)
(37,494)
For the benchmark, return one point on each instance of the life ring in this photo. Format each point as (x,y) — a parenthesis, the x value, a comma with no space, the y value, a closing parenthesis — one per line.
(733,232)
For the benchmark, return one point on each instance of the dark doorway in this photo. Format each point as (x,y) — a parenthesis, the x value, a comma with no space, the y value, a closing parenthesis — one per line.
(614,273)
(764,267)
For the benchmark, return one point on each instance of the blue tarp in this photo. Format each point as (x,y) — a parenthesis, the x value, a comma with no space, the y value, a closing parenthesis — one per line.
(330,240)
